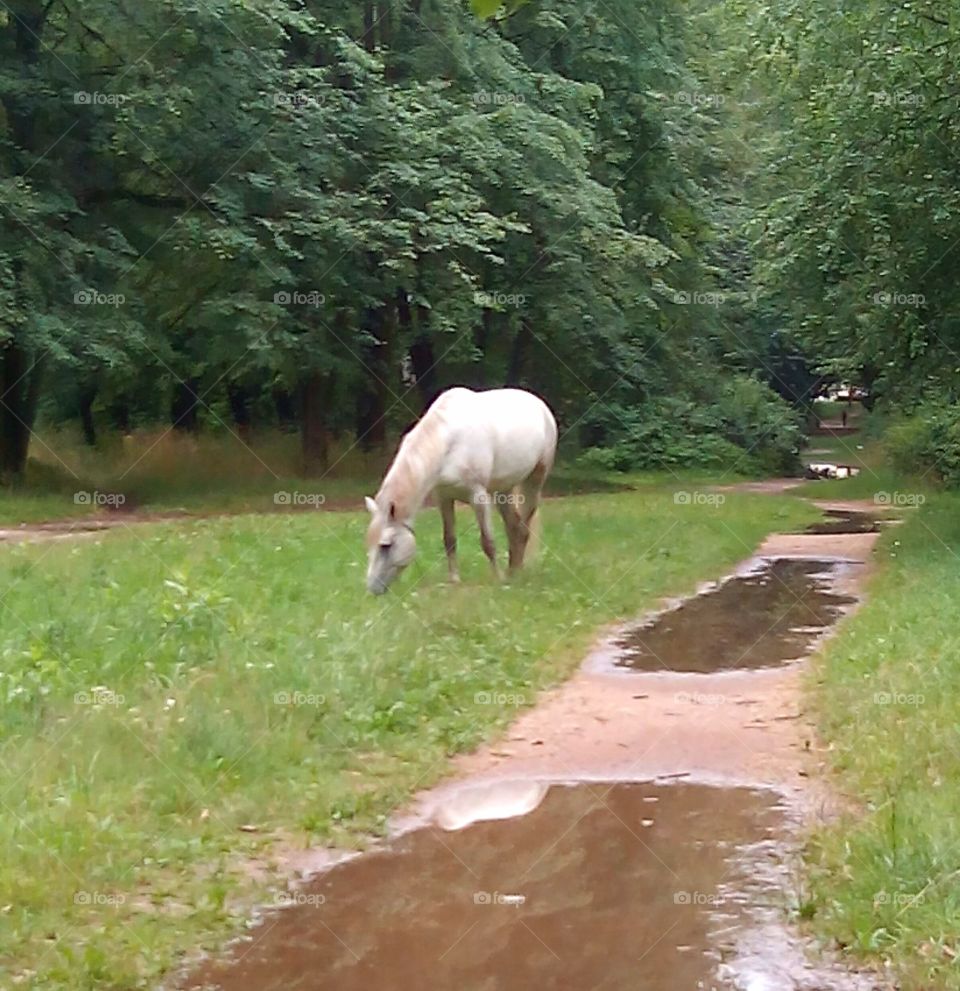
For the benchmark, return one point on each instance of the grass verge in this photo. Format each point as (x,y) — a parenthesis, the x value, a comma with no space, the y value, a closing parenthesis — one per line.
(885,882)
(187,698)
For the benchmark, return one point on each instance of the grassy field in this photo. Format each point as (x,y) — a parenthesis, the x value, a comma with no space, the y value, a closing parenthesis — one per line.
(181,698)
(885,881)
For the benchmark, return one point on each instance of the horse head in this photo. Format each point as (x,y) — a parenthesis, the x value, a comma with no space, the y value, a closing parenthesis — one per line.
(391,546)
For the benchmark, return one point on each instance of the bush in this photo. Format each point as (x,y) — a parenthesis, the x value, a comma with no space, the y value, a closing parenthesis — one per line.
(747,427)
(928,442)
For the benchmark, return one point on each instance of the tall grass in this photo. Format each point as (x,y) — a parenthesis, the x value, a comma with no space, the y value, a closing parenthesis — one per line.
(163,470)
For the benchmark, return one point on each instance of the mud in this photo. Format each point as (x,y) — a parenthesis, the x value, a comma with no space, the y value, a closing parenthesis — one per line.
(615,886)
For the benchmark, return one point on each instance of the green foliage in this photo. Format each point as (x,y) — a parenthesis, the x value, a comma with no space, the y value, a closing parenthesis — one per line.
(355,206)
(856,194)
(745,427)
(927,442)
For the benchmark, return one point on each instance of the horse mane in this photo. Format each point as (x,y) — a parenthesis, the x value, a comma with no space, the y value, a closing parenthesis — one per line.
(414,466)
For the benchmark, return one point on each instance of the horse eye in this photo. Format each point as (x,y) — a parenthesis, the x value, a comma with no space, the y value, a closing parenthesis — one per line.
(386,547)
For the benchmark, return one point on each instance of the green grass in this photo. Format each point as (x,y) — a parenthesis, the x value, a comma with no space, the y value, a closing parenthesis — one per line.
(121,844)
(885,880)
(834,410)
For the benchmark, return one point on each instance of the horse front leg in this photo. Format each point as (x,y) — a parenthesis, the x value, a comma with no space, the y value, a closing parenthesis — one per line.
(481,506)
(448,513)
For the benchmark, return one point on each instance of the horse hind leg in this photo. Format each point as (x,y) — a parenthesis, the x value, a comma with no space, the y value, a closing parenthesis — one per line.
(513,525)
(481,506)
(530,492)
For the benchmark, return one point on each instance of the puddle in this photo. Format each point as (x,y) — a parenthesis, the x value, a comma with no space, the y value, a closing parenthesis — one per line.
(816,470)
(769,616)
(613,886)
(845,521)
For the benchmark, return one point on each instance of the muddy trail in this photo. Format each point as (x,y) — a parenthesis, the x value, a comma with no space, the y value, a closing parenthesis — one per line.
(637,829)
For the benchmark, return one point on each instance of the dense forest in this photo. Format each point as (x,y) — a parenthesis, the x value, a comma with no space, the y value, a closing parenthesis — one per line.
(673,220)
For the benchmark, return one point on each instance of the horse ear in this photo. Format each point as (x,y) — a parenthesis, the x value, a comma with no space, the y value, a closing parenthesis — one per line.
(393,512)
(370,504)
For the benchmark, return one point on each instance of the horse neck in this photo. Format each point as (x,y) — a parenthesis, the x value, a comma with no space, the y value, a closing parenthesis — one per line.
(414,472)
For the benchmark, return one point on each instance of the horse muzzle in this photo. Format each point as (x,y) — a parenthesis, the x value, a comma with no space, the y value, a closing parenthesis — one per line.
(376,586)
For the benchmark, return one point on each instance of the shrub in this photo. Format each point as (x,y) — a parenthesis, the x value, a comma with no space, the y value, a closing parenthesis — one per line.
(746,427)
(928,442)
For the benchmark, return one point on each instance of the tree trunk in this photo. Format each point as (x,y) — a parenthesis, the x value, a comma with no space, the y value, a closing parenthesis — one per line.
(119,414)
(87,396)
(19,377)
(239,399)
(370,26)
(19,392)
(184,407)
(315,394)
(378,362)
(519,354)
(424,368)
(285,406)
(422,359)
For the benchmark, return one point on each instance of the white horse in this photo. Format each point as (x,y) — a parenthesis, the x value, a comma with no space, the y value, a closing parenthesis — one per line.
(477,447)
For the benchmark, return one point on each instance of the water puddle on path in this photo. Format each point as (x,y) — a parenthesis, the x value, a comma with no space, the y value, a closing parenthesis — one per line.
(627,886)
(769,616)
(838,521)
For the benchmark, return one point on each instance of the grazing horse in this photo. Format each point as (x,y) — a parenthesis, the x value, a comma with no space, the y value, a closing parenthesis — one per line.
(491,448)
